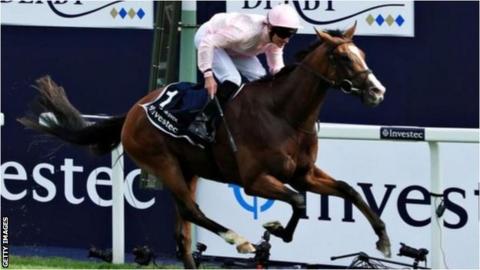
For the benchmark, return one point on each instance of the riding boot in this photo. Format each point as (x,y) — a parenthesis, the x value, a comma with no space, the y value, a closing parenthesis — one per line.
(205,123)
(225,91)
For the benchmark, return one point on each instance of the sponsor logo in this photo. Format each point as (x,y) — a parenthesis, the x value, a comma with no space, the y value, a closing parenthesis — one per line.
(327,6)
(171,116)
(255,207)
(408,134)
(44,189)
(162,121)
(405,203)
(57,8)
(64,8)
(372,17)
(75,13)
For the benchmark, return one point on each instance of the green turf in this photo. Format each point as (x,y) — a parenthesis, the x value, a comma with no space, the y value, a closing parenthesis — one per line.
(27,262)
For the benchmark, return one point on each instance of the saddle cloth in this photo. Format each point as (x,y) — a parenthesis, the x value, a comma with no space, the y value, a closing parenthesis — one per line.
(175,108)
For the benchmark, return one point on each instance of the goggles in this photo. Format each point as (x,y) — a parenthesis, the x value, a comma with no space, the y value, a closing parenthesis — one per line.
(283,32)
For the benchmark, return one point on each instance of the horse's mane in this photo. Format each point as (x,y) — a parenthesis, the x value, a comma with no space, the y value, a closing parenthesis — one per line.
(299,56)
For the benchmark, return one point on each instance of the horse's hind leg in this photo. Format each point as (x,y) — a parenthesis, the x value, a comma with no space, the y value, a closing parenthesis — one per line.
(183,233)
(319,182)
(168,168)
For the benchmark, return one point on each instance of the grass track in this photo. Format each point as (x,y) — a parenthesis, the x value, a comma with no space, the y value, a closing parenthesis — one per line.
(33,262)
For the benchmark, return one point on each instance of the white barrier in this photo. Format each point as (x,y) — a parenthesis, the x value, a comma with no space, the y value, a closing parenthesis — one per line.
(367,132)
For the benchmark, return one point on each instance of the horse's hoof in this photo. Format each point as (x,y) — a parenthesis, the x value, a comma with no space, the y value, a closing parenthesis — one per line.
(272,225)
(246,247)
(383,245)
(275,228)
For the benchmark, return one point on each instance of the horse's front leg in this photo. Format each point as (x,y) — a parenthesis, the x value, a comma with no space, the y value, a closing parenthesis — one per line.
(183,239)
(319,182)
(269,187)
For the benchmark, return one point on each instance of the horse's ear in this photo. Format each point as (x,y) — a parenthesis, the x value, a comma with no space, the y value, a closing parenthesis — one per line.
(350,31)
(324,36)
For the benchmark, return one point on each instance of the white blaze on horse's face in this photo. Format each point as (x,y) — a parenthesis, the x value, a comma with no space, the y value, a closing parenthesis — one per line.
(375,91)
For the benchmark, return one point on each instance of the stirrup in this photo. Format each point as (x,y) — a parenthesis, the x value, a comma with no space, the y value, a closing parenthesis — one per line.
(199,128)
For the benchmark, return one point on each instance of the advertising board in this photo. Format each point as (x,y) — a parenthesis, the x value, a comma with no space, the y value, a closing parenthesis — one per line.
(394,179)
(374,18)
(99,14)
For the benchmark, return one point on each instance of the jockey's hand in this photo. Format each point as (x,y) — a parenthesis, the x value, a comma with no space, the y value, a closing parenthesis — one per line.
(211,86)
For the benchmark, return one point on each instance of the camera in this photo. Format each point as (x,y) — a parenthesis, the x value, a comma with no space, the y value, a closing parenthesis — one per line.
(201,247)
(143,255)
(105,255)
(197,255)
(262,253)
(417,254)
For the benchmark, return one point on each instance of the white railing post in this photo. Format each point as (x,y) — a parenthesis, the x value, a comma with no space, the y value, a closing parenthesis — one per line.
(118,197)
(118,215)
(436,222)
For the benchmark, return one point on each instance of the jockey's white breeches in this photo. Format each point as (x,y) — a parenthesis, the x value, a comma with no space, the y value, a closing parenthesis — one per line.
(227,67)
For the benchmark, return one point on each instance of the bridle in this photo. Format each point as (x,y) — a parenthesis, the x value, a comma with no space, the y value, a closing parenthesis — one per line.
(345,85)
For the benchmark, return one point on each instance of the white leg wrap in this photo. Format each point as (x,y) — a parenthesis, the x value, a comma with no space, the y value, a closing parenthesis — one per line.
(232,237)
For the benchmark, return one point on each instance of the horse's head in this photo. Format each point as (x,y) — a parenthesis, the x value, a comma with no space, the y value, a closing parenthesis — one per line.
(342,63)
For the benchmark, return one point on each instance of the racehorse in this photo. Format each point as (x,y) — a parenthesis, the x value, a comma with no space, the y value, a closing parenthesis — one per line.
(273,123)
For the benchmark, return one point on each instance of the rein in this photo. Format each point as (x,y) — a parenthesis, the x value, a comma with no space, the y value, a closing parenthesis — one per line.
(316,73)
(345,85)
(313,131)
(309,132)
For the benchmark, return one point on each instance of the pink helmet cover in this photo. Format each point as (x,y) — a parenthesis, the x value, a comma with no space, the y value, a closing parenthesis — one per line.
(284,16)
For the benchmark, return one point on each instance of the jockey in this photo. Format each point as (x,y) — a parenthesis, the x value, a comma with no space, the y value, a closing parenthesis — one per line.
(228,45)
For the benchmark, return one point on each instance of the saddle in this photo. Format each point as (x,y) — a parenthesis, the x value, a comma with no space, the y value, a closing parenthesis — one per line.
(174,110)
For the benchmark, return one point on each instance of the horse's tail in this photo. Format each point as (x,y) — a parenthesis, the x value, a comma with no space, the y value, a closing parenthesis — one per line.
(52,113)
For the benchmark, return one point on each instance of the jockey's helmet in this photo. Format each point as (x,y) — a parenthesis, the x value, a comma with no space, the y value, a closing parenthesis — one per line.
(283,16)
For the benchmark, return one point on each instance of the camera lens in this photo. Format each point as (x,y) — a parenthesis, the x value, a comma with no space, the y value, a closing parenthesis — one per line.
(417,254)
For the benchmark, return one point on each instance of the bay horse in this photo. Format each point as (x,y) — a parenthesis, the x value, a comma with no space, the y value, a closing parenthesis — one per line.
(273,123)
